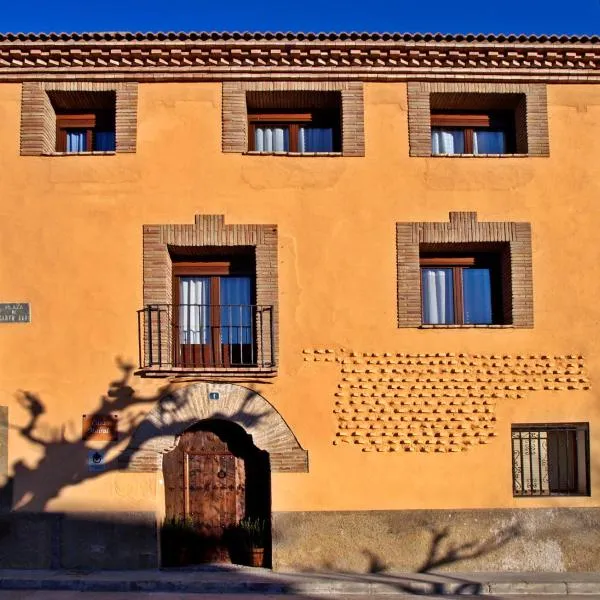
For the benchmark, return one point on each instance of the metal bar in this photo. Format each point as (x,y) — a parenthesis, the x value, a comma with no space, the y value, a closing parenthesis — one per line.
(540,463)
(252,325)
(531,479)
(241,334)
(262,340)
(188,333)
(514,462)
(150,349)
(558,460)
(272,331)
(139,319)
(522,463)
(568,458)
(159,337)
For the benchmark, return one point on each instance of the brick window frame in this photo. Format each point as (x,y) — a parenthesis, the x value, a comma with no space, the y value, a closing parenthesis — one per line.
(38,118)
(160,241)
(531,112)
(235,111)
(461,230)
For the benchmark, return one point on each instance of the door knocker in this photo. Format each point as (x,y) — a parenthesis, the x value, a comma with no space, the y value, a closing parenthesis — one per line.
(222,474)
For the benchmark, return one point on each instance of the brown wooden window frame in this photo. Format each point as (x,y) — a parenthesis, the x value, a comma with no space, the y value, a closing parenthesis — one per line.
(292,121)
(216,355)
(88,121)
(470,121)
(457,263)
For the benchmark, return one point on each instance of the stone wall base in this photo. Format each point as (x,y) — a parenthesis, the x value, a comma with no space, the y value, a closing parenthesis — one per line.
(556,539)
(125,540)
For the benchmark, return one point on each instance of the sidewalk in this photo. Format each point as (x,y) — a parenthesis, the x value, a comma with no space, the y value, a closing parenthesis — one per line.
(220,579)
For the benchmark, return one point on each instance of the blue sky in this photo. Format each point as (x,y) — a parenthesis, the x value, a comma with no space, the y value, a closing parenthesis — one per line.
(447,16)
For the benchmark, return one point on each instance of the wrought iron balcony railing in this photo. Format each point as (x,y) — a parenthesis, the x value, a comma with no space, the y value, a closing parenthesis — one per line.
(206,336)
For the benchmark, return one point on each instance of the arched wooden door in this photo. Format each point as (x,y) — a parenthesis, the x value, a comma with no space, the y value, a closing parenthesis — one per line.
(205,484)
(213,478)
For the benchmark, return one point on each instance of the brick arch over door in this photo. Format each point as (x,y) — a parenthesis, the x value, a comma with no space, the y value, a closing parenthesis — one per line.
(179,410)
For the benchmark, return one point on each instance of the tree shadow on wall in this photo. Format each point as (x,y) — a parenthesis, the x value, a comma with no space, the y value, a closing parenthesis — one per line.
(442,551)
(65,460)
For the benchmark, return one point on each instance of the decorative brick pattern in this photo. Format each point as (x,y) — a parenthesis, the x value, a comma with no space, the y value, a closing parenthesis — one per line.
(393,402)
(463,229)
(531,116)
(38,120)
(158,433)
(353,56)
(235,115)
(210,230)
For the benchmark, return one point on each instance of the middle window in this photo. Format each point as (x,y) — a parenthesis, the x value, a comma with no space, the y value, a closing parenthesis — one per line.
(214,314)
(461,289)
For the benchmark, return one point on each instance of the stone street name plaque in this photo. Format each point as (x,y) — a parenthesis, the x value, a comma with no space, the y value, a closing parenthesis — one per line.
(15,312)
(99,427)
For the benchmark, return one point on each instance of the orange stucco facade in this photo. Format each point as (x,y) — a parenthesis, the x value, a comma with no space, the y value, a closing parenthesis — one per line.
(71,246)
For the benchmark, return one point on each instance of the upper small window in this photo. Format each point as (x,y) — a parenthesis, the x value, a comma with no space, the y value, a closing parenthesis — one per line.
(473,133)
(294,122)
(85,132)
(477,119)
(478,124)
(316,131)
(85,121)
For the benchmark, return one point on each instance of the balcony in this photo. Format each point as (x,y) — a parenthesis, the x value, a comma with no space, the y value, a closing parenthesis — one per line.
(212,339)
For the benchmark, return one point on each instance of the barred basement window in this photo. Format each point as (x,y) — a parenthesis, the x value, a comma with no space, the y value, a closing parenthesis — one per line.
(551,460)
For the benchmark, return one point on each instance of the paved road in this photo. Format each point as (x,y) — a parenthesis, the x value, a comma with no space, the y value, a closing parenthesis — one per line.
(48,595)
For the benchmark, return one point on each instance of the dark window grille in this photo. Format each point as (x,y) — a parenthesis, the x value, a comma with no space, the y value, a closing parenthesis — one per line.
(550,460)
(195,336)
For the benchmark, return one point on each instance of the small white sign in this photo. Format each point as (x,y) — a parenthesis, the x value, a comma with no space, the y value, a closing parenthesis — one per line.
(96,461)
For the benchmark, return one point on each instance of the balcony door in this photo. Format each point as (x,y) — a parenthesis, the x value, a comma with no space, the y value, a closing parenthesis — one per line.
(213,316)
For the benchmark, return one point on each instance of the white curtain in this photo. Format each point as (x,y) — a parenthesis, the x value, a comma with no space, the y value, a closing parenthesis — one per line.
(76,141)
(438,296)
(271,139)
(447,141)
(530,462)
(194,310)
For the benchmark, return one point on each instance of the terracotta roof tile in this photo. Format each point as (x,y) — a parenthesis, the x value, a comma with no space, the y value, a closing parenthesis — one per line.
(299,37)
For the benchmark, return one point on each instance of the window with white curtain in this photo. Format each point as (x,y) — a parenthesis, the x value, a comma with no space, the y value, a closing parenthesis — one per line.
(302,133)
(461,289)
(214,315)
(89,132)
(472,133)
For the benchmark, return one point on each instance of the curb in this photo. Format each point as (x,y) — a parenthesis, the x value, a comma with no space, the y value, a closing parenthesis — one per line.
(478,586)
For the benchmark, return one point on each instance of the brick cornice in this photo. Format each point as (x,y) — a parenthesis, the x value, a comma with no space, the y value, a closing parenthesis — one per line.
(156,57)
